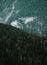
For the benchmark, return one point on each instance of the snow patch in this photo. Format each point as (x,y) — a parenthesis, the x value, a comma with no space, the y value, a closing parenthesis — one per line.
(16,24)
(27,19)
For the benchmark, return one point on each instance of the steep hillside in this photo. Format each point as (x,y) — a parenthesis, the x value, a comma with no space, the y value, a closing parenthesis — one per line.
(20,48)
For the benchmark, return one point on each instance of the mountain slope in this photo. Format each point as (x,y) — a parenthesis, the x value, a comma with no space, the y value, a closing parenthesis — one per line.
(30,15)
(19,48)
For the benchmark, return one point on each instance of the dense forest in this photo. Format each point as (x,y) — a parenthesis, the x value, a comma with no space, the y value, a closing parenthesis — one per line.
(18,47)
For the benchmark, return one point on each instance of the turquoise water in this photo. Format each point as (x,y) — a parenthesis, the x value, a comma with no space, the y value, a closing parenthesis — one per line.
(28,15)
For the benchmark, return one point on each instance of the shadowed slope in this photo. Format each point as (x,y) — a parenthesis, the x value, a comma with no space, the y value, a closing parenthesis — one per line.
(20,48)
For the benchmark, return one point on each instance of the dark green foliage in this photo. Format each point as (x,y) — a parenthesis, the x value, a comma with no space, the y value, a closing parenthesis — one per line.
(20,48)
